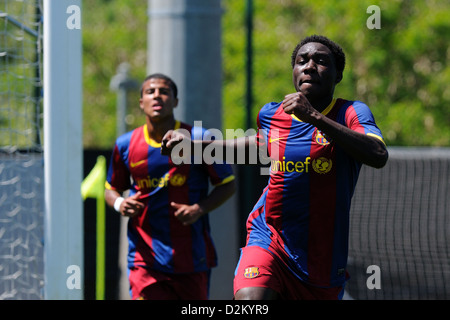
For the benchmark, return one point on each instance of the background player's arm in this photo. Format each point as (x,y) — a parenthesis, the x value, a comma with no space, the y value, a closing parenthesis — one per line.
(366,149)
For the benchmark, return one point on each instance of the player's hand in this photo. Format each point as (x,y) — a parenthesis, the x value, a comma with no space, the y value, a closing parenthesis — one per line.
(132,206)
(170,140)
(298,105)
(187,214)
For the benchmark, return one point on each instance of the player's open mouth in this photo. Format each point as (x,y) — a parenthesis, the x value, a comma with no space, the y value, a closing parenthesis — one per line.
(308,80)
(307,83)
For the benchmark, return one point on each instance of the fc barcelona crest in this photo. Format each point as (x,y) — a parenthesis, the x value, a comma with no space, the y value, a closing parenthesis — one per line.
(251,272)
(321,139)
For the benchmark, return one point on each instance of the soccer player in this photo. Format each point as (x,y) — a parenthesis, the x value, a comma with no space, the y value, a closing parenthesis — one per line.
(171,251)
(297,232)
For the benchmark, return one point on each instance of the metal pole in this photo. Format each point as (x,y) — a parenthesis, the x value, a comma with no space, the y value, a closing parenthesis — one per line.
(184,42)
(249,62)
(122,84)
(63,153)
(37,90)
(247,172)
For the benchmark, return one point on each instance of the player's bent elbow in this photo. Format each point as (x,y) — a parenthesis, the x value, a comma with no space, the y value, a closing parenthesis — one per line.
(380,159)
(230,188)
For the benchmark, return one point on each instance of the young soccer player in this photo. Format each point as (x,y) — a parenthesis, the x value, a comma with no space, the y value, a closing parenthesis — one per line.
(171,251)
(297,232)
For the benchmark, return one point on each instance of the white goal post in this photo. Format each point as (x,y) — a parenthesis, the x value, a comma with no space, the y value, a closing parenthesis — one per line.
(63,151)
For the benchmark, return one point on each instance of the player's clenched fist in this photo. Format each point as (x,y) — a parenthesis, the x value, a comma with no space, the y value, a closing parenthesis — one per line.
(298,105)
(170,140)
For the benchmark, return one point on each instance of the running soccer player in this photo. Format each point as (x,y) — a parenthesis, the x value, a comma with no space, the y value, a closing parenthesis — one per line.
(171,251)
(297,233)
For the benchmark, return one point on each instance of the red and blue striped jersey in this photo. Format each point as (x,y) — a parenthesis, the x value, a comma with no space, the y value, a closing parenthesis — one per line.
(302,216)
(156,238)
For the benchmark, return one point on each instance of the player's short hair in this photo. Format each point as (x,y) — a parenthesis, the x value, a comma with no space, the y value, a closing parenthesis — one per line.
(336,50)
(161,76)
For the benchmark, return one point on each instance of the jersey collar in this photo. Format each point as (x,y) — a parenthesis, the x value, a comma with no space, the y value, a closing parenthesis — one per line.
(152,142)
(324,112)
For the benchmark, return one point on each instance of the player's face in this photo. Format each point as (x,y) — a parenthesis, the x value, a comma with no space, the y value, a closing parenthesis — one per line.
(314,72)
(158,100)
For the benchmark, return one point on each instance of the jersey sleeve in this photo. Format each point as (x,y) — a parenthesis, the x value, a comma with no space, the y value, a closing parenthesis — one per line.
(261,134)
(263,121)
(358,117)
(118,177)
(220,174)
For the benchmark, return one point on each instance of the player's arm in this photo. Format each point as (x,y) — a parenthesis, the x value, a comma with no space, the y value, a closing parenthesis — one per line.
(366,149)
(242,150)
(128,207)
(188,214)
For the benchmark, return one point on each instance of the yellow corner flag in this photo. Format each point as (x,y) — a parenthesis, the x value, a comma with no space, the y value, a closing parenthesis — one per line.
(93,186)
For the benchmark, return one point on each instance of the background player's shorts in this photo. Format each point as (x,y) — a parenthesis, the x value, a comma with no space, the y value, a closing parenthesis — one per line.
(257,267)
(148,284)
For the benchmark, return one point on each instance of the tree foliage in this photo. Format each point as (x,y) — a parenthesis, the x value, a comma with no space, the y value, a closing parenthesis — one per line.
(400,70)
(114,31)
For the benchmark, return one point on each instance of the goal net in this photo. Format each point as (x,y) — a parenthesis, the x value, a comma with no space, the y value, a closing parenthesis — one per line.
(400,223)
(21,157)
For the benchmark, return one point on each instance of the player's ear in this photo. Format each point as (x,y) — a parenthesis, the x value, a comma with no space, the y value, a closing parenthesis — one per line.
(175,104)
(339,77)
(141,105)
